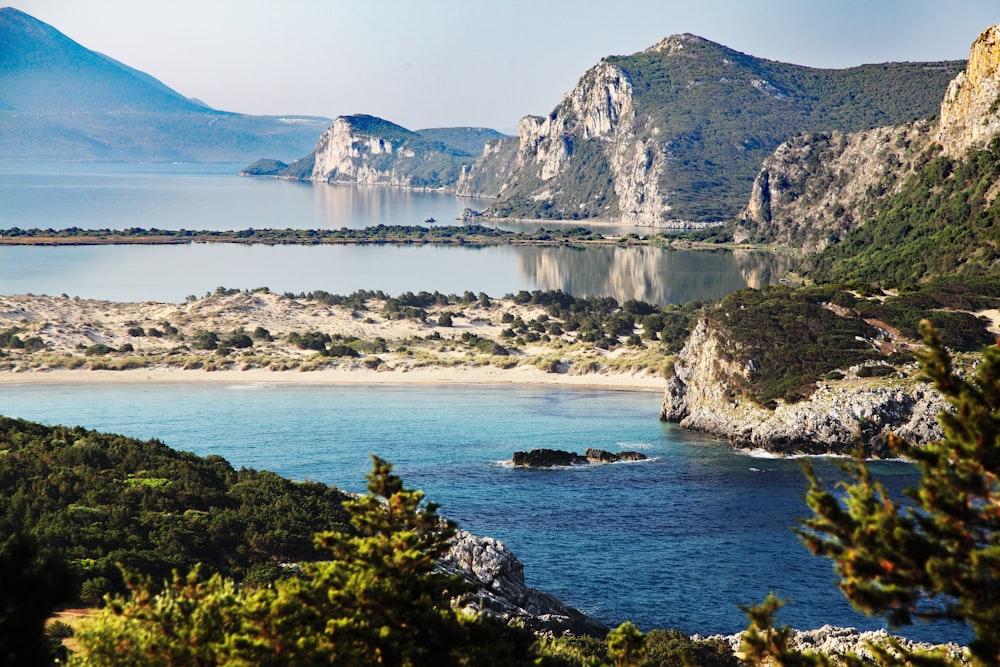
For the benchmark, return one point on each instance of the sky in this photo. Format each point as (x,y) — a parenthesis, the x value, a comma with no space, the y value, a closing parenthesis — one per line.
(482,63)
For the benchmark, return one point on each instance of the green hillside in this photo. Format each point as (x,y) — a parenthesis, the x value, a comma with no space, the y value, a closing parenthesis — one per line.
(100,499)
(944,221)
(715,114)
(466,139)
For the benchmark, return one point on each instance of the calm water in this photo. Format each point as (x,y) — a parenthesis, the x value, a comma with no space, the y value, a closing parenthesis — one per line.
(59,195)
(679,541)
(170,273)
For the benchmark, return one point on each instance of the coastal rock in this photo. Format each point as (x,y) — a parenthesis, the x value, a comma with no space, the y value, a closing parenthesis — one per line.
(546,458)
(549,458)
(829,422)
(830,640)
(502,593)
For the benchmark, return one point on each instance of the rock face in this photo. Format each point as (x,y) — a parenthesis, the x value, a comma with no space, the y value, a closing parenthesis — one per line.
(367,150)
(673,135)
(502,592)
(827,423)
(970,111)
(553,458)
(815,188)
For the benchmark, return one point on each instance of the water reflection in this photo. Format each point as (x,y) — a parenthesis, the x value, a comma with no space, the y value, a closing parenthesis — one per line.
(656,275)
(170,273)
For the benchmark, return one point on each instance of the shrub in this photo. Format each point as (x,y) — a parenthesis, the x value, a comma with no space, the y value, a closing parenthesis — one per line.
(205,340)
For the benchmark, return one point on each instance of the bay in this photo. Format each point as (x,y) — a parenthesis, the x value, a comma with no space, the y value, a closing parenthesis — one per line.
(678,541)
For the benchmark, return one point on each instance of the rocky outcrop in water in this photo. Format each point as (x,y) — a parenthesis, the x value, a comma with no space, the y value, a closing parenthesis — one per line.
(554,458)
(828,422)
(502,593)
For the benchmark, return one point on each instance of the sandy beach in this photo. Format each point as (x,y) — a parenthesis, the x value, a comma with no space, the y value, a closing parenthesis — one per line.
(71,340)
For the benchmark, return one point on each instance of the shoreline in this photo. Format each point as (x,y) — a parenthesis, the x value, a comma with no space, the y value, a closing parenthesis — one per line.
(428,376)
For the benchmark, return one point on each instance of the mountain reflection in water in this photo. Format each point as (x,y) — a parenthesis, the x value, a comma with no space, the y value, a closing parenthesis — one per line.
(656,275)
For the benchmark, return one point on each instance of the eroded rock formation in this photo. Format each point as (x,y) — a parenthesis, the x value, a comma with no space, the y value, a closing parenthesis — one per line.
(502,593)
(828,422)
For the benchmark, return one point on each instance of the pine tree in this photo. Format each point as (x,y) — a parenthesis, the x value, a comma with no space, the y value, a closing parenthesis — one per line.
(938,555)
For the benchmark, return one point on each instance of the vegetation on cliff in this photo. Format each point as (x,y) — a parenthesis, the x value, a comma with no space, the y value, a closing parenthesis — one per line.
(786,340)
(705,117)
(943,221)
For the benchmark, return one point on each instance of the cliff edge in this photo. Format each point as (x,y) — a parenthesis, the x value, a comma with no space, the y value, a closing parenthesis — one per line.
(700,396)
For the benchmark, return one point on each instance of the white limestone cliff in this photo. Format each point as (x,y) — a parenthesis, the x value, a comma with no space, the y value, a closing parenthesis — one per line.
(828,422)
(344,155)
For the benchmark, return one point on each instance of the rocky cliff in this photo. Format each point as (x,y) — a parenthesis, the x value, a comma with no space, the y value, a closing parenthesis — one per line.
(367,150)
(502,593)
(970,111)
(816,188)
(674,134)
(702,395)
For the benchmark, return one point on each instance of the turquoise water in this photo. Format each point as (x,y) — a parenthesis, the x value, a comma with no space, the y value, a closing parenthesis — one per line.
(678,541)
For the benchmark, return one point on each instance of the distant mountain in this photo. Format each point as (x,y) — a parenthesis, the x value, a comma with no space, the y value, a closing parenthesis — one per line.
(468,139)
(677,132)
(372,151)
(62,101)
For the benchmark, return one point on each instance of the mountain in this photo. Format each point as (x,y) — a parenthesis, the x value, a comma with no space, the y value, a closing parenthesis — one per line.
(62,101)
(678,131)
(372,151)
(895,205)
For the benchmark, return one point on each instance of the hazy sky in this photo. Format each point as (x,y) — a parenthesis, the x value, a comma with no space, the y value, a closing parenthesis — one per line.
(431,63)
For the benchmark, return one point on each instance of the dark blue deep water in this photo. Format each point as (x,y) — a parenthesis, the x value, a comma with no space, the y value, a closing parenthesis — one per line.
(679,541)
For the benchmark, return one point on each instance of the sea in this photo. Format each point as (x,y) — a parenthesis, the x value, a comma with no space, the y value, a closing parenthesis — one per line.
(682,540)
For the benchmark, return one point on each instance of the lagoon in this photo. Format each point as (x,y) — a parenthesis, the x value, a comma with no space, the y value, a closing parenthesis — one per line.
(212,197)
